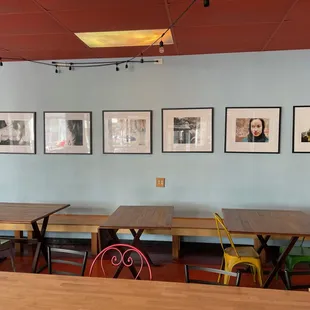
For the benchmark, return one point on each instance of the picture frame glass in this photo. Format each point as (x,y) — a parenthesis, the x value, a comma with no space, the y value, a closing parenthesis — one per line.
(127,132)
(67,133)
(17,132)
(252,130)
(187,130)
(301,129)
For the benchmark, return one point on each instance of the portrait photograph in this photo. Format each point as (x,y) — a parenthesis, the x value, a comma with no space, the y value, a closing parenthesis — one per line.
(17,132)
(252,130)
(68,133)
(127,132)
(187,130)
(301,129)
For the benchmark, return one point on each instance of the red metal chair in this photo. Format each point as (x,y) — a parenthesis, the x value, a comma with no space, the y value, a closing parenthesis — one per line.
(124,259)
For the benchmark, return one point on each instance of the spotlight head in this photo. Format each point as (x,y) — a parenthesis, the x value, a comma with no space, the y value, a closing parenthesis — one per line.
(206,3)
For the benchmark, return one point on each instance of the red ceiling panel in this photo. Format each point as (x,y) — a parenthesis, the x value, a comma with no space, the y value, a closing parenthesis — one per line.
(18,6)
(223,39)
(43,29)
(71,5)
(152,17)
(300,12)
(291,34)
(32,23)
(227,12)
(42,42)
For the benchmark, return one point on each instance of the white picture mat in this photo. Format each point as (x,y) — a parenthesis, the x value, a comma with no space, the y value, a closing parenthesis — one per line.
(56,123)
(29,132)
(301,124)
(205,142)
(273,114)
(110,147)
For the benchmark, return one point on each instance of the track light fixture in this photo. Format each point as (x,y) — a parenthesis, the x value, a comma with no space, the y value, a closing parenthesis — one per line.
(117,68)
(161,47)
(206,3)
(1,63)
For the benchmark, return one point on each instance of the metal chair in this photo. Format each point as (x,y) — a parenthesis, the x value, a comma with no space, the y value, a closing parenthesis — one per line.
(235,255)
(122,258)
(188,279)
(51,260)
(8,245)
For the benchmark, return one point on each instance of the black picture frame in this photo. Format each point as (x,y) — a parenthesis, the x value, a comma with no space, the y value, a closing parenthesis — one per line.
(130,148)
(14,145)
(301,113)
(233,145)
(184,136)
(65,147)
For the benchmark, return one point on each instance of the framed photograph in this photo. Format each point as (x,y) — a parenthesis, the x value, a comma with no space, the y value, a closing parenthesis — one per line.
(68,133)
(252,130)
(187,130)
(127,132)
(301,129)
(18,132)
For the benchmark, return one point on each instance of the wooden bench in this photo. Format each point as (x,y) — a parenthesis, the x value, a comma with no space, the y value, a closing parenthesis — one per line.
(81,223)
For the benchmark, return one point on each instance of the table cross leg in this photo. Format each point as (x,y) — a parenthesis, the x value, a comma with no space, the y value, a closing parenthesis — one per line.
(279,263)
(137,243)
(41,246)
(132,268)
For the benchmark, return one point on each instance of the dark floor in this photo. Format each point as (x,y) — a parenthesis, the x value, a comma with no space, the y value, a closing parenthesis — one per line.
(209,255)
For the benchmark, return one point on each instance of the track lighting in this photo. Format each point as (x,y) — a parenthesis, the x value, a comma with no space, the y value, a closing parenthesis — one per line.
(56,69)
(206,3)
(1,63)
(117,68)
(161,47)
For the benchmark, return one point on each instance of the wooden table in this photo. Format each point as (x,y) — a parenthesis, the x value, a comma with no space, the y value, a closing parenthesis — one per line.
(265,223)
(31,213)
(136,219)
(21,291)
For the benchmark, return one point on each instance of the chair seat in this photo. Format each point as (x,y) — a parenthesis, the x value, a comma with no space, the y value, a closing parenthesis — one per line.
(5,244)
(243,251)
(297,251)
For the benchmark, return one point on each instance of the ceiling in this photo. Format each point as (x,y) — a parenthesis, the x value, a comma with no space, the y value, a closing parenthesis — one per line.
(44,29)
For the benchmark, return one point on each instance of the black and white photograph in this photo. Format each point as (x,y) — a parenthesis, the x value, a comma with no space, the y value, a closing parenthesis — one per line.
(252,130)
(67,133)
(127,132)
(301,129)
(17,132)
(187,130)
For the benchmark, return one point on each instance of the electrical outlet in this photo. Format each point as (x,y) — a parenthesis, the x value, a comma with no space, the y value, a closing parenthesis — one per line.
(160,182)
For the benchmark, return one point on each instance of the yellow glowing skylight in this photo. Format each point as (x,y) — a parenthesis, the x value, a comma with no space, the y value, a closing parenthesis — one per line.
(124,38)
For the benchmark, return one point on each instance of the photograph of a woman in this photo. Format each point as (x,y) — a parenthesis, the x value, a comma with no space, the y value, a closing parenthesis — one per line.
(256,131)
(252,130)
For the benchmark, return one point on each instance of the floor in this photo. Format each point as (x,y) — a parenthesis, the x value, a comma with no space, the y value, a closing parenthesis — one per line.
(168,270)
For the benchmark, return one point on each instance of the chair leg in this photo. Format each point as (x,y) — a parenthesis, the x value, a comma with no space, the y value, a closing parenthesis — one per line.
(12,259)
(287,279)
(222,268)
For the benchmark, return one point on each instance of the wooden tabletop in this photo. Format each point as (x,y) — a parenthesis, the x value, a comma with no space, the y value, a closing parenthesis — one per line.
(267,222)
(26,213)
(140,217)
(24,291)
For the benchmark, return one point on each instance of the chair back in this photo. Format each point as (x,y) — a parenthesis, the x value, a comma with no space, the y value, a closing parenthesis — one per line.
(122,256)
(189,279)
(74,253)
(220,226)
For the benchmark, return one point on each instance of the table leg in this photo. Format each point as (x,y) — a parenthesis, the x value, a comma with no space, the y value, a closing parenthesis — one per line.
(41,246)
(137,243)
(277,264)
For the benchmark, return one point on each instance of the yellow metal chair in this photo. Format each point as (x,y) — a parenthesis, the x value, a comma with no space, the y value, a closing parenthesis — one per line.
(237,255)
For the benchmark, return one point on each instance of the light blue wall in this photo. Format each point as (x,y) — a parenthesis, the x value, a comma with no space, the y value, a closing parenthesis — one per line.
(195,183)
